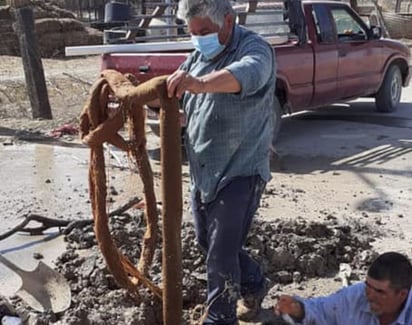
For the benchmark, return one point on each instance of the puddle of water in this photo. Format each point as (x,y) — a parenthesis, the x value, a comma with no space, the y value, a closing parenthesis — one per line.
(53,181)
(43,179)
(38,165)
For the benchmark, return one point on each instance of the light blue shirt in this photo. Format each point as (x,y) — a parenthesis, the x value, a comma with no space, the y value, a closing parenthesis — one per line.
(229,135)
(348,306)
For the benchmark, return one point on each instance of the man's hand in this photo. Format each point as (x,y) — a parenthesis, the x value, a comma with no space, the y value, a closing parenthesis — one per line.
(290,306)
(181,81)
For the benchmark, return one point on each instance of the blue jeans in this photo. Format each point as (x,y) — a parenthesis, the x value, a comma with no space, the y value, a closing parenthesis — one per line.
(221,230)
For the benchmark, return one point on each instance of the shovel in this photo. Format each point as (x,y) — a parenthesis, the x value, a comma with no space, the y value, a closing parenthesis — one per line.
(43,289)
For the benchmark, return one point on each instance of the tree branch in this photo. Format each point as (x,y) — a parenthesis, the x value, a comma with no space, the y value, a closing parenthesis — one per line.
(69,224)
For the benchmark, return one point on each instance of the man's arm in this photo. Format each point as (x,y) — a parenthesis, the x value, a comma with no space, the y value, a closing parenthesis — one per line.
(221,81)
(255,67)
(334,309)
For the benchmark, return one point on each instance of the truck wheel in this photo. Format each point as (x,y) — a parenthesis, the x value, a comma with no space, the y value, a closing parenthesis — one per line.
(389,94)
(277,121)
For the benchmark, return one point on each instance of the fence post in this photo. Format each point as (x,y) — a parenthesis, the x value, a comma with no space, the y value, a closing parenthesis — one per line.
(354,4)
(398,6)
(32,64)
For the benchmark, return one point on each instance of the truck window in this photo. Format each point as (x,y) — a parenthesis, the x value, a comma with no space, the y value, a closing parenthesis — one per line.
(323,24)
(347,28)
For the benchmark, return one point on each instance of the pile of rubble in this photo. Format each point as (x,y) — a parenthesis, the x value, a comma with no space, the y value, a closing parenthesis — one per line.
(290,251)
(55,28)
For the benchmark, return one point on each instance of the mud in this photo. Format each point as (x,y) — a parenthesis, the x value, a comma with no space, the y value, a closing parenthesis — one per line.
(291,251)
(328,203)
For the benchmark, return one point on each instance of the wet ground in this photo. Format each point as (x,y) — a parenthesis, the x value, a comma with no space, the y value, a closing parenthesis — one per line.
(44,179)
(340,193)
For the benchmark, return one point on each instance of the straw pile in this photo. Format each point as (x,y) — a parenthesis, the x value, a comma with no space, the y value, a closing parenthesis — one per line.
(55,27)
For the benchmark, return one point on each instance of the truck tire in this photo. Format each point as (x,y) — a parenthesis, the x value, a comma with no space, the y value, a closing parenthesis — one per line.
(389,94)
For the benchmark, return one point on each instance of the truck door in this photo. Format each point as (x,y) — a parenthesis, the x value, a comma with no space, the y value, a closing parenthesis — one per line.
(359,60)
(326,56)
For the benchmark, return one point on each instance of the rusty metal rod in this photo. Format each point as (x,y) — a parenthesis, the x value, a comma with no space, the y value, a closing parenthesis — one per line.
(171,169)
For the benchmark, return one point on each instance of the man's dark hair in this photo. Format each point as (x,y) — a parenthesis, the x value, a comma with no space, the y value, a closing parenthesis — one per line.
(394,267)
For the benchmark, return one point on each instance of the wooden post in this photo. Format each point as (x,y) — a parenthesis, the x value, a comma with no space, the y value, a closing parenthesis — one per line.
(354,4)
(398,6)
(32,64)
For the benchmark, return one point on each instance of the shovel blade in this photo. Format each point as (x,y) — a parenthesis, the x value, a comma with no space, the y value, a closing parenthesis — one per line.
(44,289)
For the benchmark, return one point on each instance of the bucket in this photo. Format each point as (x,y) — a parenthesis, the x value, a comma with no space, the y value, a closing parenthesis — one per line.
(116,11)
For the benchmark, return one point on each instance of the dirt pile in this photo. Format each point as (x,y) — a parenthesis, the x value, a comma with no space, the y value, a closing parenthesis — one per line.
(54,34)
(291,251)
(55,27)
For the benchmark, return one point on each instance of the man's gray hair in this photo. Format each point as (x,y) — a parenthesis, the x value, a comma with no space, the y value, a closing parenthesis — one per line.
(216,10)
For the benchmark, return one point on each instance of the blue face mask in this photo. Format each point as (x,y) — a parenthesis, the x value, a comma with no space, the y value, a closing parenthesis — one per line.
(208,45)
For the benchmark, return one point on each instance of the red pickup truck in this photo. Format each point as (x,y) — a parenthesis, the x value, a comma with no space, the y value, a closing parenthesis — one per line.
(336,57)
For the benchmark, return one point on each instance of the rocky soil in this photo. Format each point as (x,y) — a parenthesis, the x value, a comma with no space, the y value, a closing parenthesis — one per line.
(292,252)
(301,234)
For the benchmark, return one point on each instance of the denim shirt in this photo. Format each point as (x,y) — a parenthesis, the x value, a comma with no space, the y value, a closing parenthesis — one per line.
(349,306)
(229,135)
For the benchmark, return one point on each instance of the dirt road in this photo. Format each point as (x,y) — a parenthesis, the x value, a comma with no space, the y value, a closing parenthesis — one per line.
(352,163)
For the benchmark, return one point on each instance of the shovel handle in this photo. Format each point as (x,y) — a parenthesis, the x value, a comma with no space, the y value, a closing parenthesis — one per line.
(12,266)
